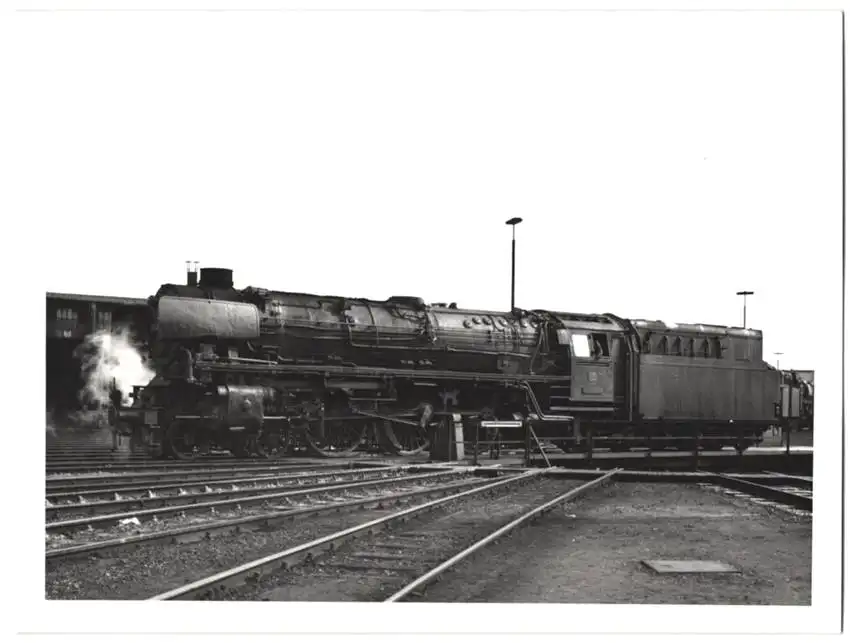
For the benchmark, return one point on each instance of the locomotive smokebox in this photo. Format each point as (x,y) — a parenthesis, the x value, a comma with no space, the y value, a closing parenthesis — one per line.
(216,278)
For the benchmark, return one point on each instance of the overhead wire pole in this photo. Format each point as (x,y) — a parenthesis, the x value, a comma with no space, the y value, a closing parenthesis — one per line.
(513,223)
(745,293)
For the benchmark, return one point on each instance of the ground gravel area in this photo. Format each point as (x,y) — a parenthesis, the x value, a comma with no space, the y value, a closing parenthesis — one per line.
(151,570)
(156,567)
(590,551)
(131,526)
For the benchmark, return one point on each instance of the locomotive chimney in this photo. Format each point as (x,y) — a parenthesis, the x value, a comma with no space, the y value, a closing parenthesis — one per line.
(216,278)
(191,273)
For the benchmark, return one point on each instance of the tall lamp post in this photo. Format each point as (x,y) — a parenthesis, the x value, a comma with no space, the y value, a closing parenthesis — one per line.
(745,293)
(513,223)
(778,355)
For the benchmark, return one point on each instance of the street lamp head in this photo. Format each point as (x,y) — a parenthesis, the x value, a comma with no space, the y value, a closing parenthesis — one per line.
(744,292)
(513,221)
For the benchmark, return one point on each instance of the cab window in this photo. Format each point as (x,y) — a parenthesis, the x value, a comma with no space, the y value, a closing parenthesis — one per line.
(581,345)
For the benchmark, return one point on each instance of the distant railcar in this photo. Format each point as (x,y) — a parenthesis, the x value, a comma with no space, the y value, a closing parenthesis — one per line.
(797,398)
(255,370)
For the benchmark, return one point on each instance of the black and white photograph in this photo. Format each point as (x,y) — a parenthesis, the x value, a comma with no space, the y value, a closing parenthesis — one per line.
(507,312)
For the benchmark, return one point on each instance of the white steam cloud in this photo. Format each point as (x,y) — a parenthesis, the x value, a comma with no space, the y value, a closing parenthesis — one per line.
(109,356)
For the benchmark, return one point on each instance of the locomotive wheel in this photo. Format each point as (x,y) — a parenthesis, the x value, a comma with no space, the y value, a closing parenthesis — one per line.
(407,442)
(243,446)
(342,439)
(178,442)
(271,444)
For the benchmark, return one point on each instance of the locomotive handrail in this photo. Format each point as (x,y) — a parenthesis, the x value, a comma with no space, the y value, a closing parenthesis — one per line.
(632,341)
(538,412)
(501,424)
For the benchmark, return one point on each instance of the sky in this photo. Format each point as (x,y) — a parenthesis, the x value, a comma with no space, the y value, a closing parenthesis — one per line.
(661,162)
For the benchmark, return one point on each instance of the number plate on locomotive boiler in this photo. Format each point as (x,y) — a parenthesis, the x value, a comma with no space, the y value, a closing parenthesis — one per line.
(150,417)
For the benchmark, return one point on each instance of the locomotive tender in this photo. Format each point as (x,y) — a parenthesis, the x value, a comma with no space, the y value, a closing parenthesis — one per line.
(253,370)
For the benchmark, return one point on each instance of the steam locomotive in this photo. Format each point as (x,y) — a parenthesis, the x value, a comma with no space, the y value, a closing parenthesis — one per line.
(255,371)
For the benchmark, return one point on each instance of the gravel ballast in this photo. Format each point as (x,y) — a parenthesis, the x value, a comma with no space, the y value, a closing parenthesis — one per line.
(152,568)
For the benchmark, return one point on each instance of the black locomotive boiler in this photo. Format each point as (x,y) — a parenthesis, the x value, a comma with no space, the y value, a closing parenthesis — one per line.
(255,371)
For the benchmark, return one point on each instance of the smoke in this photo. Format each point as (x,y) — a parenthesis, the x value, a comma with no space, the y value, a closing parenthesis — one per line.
(109,356)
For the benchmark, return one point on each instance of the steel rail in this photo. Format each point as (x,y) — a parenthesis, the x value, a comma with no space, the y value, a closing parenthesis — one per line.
(499,533)
(196,532)
(81,523)
(139,456)
(160,465)
(181,471)
(74,483)
(186,485)
(188,499)
(802,480)
(83,457)
(763,491)
(305,551)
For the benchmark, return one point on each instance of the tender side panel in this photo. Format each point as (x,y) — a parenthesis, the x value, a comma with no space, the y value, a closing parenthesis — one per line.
(714,390)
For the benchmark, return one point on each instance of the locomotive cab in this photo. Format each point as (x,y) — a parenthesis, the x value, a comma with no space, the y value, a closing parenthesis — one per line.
(584,353)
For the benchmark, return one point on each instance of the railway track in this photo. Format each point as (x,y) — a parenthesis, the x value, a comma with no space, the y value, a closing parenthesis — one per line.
(394,566)
(797,496)
(366,542)
(79,467)
(120,490)
(200,503)
(71,455)
(378,500)
(110,481)
(154,496)
(803,482)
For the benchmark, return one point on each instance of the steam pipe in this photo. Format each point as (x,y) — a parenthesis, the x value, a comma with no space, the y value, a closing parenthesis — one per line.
(190,375)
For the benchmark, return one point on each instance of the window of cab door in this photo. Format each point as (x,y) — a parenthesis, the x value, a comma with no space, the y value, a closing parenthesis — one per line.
(585,345)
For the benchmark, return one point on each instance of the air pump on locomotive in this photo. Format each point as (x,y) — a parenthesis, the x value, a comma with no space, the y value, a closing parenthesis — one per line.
(256,371)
